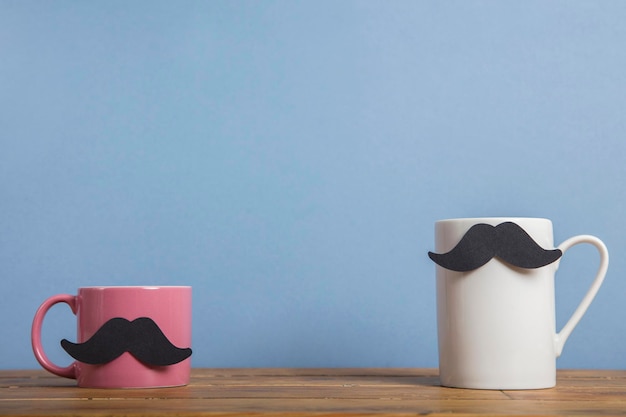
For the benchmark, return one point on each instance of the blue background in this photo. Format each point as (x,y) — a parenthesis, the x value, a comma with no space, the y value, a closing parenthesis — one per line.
(288,160)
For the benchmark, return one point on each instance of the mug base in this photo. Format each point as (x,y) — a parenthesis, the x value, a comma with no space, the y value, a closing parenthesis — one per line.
(509,386)
(132,387)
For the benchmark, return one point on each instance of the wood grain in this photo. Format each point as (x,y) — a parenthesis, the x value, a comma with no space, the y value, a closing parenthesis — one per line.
(309,392)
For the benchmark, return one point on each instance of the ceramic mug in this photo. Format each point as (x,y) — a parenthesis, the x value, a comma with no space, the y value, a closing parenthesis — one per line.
(496,301)
(128,337)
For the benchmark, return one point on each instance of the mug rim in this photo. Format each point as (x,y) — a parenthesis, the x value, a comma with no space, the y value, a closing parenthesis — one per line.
(493,219)
(134,287)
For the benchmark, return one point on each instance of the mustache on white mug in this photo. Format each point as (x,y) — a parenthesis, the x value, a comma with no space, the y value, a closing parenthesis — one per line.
(507,241)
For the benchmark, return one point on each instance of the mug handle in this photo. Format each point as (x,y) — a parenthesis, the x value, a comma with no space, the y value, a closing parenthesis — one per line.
(35,335)
(565,332)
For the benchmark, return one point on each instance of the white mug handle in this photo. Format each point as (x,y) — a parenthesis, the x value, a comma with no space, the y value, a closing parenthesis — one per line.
(561,337)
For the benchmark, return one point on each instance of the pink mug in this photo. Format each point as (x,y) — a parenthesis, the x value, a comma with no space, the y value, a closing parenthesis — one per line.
(128,337)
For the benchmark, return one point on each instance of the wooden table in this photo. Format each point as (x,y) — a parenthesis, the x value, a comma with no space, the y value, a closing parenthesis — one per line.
(302,392)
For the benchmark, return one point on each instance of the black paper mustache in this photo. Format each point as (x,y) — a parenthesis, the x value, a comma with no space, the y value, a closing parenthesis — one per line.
(507,241)
(141,337)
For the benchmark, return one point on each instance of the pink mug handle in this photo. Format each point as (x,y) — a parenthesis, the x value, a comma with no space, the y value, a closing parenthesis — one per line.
(35,335)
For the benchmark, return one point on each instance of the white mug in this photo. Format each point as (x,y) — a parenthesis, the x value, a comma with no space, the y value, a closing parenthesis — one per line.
(495,301)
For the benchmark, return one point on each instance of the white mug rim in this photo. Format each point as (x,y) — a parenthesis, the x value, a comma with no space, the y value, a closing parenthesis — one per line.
(492,219)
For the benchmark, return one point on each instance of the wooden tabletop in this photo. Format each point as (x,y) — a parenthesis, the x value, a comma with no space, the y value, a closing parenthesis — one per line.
(303,392)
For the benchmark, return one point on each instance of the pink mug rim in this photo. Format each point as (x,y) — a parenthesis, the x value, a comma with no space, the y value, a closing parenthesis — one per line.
(147,287)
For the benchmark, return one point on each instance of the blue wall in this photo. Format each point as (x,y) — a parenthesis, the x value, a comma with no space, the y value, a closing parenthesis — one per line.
(288,159)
